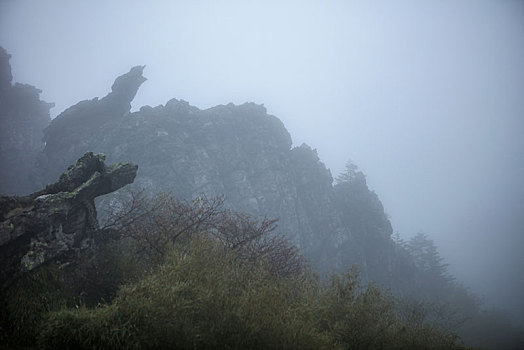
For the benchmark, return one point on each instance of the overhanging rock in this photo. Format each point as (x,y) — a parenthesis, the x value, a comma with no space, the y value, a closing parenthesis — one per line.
(59,221)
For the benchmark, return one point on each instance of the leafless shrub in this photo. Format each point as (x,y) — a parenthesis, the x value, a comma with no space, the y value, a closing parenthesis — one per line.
(284,258)
(256,239)
(153,224)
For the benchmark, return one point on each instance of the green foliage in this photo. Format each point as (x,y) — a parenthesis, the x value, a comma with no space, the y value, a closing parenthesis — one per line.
(351,174)
(196,276)
(427,258)
(26,302)
(435,298)
(365,318)
(360,208)
(205,296)
(101,277)
(355,318)
(202,297)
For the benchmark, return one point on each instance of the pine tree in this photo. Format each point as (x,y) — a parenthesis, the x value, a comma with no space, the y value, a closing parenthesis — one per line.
(427,258)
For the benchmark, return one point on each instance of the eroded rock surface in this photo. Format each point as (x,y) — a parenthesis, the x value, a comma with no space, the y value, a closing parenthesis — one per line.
(59,221)
(23,116)
(237,151)
(68,132)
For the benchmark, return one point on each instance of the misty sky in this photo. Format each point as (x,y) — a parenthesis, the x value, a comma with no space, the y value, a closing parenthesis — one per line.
(427,97)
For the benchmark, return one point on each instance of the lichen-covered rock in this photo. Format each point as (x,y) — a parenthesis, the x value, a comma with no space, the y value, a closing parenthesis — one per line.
(59,221)
(23,116)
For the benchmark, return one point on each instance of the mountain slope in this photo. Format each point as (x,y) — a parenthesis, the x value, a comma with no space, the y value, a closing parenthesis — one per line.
(239,152)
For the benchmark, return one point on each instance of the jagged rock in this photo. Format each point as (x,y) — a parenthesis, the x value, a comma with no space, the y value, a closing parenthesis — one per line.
(23,116)
(59,221)
(68,131)
(5,70)
(239,152)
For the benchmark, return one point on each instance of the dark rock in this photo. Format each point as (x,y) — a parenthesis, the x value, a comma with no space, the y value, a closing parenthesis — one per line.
(239,152)
(68,131)
(60,221)
(124,90)
(23,116)
(5,70)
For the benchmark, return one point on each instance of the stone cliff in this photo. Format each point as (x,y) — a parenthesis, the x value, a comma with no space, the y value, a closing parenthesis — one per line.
(66,137)
(23,116)
(239,152)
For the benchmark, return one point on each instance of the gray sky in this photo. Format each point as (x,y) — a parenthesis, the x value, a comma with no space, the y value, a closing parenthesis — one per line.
(427,97)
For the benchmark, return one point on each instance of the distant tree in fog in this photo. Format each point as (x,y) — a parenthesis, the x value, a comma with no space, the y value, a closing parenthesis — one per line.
(427,257)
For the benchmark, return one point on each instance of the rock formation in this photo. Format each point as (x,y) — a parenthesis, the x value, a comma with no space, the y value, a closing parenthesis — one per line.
(58,222)
(69,130)
(239,152)
(23,116)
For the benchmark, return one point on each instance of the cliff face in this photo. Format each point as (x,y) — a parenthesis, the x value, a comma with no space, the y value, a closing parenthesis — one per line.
(23,116)
(67,137)
(239,152)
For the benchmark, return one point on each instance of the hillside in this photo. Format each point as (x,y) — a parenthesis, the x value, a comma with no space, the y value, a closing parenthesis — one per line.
(246,156)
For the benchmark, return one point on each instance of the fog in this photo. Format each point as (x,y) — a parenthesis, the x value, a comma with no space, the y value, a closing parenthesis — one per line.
(426,97)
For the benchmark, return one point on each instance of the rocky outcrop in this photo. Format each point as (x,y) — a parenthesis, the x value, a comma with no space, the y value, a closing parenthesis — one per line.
(58,222)
(65,138)
(23,116)
(239,152)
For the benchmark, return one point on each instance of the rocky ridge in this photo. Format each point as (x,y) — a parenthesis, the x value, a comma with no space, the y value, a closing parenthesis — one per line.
(239,152)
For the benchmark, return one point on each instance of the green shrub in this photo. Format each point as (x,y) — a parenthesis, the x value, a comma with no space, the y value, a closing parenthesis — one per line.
(206,297)
(98,280)
(202,297)
(26,302)
(365,318)
(357,318)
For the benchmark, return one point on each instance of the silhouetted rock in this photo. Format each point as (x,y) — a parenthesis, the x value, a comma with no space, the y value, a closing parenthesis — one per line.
(239,152)
(5,70)
(23,116)
(60,221)
(68,131)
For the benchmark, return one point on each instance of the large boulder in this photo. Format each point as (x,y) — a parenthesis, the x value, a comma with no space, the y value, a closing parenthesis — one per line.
(58,222)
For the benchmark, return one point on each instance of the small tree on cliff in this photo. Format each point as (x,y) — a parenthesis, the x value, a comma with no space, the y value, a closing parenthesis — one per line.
(427,257)
(351,174)
(360,207)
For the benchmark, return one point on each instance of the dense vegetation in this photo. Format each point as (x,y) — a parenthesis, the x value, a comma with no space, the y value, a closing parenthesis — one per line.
(195,275)
(416,274)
